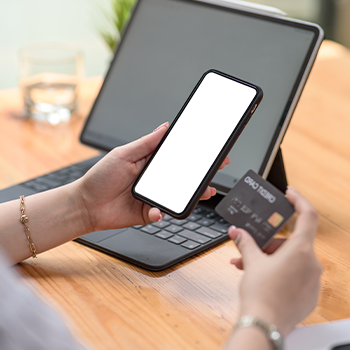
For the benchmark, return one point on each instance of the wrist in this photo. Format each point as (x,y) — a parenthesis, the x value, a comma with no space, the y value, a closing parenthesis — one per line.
(269,330)
(267,314)
(248,339)
(55,217)
(78,206)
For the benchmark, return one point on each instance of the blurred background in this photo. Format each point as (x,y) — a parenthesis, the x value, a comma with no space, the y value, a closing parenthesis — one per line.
(90,24)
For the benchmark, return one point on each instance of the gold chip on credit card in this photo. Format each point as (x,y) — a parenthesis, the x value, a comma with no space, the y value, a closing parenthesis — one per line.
(275,219)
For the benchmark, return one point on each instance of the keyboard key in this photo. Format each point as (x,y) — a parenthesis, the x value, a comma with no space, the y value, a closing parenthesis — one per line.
(220,220)
(161,224)
(211,215)
(177,240)
(67,180)
(138,226)
(164,234)
(194,236)
(190,245)
(178,222)
(220,227)
(191,226)
(64,171)
(167,217)
(205,222)
(194,217)
(82,167)
(174,228)
(209,232)
(36,186)
(200,211)
(57,176)
(75,173)
(48,182)
(150,229)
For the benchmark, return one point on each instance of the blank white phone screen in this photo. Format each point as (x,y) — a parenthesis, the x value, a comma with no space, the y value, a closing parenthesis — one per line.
(195,141)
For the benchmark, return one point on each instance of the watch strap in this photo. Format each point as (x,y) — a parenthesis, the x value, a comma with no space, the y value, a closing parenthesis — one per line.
(270,330)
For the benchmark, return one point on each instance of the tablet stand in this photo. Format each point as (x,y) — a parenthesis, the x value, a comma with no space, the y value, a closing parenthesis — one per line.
(277,175)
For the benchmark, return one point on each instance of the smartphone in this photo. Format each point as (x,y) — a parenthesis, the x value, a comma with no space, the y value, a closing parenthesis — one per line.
(196,143)
(342,347)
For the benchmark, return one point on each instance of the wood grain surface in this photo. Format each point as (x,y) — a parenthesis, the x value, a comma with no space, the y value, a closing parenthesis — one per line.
(114,305)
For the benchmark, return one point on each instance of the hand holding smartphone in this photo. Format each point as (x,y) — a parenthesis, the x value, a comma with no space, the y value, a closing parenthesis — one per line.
(196,144)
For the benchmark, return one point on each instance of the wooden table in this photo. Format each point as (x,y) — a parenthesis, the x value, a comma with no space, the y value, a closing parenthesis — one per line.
(193,305)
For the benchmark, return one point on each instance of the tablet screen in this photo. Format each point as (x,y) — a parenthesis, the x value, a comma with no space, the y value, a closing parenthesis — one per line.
(169,44)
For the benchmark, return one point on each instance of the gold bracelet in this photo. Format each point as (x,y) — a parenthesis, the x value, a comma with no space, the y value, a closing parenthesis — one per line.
(24,219)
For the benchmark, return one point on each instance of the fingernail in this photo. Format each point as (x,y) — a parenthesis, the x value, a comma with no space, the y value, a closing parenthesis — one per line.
(160,126)
(234,234)
(160,217)
(290,188)
(238,238)
(231,231)
(231,228)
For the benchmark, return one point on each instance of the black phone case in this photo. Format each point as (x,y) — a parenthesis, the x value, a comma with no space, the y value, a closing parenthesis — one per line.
(221,156)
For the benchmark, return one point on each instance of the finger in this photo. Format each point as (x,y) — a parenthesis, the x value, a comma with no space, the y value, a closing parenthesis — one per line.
(246,245)
(143,147)
(208,193)
(274,245)
(238,263)
(225,162)
(306,223)
(155,215)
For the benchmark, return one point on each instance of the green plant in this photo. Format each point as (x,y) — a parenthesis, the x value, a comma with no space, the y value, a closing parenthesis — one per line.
(115,20)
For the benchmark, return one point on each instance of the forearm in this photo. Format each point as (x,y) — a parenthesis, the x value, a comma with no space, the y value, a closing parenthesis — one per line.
(248,339)
(55,217)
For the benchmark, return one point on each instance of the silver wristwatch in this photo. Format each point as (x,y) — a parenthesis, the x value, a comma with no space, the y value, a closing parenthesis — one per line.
(270,330)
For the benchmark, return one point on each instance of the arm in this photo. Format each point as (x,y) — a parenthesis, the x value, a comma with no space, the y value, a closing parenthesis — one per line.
(248,338)
(281,288)
(55,217)
(100,200)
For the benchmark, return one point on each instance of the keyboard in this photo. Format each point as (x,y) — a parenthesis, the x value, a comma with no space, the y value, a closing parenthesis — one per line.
(201,227)
(60,177)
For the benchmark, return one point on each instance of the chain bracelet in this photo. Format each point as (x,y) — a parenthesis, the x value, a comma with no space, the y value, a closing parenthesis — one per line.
(24,219)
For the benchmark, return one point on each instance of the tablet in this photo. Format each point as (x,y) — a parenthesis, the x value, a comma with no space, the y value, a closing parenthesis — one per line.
(168,44)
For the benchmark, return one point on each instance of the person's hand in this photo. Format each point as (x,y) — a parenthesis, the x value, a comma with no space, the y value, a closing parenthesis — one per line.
(283,287)
(106,188)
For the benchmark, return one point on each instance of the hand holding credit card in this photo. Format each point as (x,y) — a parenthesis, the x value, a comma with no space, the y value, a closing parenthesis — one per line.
(256,206)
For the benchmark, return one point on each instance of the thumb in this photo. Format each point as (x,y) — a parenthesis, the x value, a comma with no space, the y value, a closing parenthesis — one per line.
(246,245)
(143,147)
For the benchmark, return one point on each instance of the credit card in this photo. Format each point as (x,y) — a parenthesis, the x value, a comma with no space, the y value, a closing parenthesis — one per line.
(256,206)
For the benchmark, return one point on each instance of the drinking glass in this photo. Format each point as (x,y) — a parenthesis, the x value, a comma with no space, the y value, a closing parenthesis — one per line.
(49,78)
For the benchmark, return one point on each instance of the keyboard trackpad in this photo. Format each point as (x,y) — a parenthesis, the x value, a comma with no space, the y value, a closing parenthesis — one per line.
(98,236)
(144,250)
